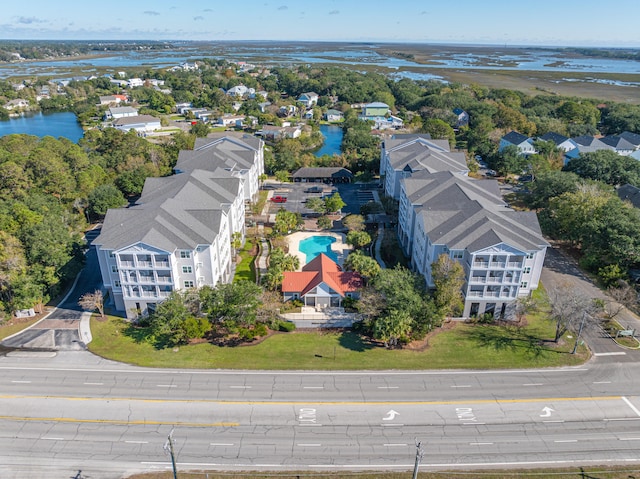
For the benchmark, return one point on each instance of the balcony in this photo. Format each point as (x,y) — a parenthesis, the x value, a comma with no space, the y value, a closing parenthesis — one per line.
(145,264)
(147,279)
(516,265)
(498,264)
(125,264)
(478,279)
(162,264)
(480,264)
(475,294)
(164,279)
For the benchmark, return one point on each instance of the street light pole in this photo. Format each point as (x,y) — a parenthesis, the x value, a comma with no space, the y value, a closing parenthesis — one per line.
(168,447)
(419,456)
(575,346)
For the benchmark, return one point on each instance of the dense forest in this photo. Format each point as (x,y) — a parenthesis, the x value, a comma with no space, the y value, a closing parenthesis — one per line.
(50,188)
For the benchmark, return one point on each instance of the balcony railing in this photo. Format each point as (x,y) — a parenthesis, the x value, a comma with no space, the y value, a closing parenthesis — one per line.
(145,264)
(162,264)
(514,265)
(498,264)
(126,264)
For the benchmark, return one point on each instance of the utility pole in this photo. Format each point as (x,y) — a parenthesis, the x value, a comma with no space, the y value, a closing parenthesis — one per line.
(419,456)
(575,346)
(168,447)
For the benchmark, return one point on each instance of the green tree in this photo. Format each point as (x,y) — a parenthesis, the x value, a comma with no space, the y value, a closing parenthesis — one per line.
(168,322)
(334,203)
(104,197)
(200,129)
(393,328)
(358,239)
(316,205)
(354,222)
(231,305)
(286,222)
(324,222)
(448,277)
(359,262)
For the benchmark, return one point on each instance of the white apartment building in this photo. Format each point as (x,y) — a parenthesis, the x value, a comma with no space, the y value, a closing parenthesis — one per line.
(402,156)
(242,156)
(178,234)
(502,250)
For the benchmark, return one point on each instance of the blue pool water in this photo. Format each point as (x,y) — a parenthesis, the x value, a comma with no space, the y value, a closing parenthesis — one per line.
(314,245)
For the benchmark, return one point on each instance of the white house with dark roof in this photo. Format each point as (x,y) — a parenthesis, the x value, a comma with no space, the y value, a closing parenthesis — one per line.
(520,141)
(589,144)
(401,156)
(501,250)
(309,99)
(121,112)
(140,123)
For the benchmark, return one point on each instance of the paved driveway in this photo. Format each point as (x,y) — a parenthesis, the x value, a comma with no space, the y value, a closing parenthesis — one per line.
(561,269)
(60,330)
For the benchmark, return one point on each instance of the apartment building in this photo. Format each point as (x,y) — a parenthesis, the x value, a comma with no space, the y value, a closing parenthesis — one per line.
(177,235)
(501,250)
(402,156)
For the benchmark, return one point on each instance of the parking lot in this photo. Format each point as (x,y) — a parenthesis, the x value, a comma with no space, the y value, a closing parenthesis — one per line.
(297,194)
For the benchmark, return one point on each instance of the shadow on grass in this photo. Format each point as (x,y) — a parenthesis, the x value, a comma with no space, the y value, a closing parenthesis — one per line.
(511,338)
(355,342)
(141,334)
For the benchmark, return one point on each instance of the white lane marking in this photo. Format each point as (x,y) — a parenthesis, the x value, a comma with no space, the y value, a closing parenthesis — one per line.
(391,425)
(21,382)
(239,387)
(52,438)
(621,353)
(533,384)
(297,373)
(221,444)
(167,385)
(308,445)
(388,387)
(566,440)
(137,442)
(474,423)
(601,382)
(94,384)
(395,445)
(629,439)
(463,386)
(622,419)
(309,425)
(313,387)
(560,421)
(480,443)
(633,408)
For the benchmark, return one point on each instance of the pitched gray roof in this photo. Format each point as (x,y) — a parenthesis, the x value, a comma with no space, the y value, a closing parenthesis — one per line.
(323,172)
(557,138)
(134,120)
(629,193)
(515,138)
(464,213)
(168,225)
(421,154)
(228,153)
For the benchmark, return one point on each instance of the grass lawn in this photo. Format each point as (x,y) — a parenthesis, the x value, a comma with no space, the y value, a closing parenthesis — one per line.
(245,269)
(457,345)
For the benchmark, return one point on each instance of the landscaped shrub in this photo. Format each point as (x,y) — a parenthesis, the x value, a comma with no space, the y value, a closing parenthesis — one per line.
(286,326)
(196,328)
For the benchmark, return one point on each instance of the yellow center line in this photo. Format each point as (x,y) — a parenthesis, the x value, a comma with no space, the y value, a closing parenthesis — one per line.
(117,422)
(319,403)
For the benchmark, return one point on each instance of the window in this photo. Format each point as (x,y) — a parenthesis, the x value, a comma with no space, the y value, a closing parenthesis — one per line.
(529,255)
(116,284)
(185,254)
(457,254)
(112,254)
(114,268)
(186,269)
(524,284)
(188,284)
(527,270)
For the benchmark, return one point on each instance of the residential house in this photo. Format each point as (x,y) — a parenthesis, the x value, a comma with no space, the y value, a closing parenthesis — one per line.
(135,82)
(263,106)
(272,133)
(183,107)
(333,116)
(374,109)
(589,144)
(240,91)
(403,155)
(567,145)
(287,111)
(241,156)
(629,193)
(16,104)
(140,123)
(112,100)
(462,117)
(308,115)
(120,112)
(620,144)
(500,250)
(309,99)
(321,284)
(520,141)
(231,120)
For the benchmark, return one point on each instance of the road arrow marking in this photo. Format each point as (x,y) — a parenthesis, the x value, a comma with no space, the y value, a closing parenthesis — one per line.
(391,415)
(546,412)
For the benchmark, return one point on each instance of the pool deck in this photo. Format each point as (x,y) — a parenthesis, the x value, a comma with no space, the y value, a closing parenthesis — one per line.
(340,248)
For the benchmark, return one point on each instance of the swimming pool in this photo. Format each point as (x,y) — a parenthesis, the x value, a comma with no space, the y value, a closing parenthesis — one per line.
(314,245)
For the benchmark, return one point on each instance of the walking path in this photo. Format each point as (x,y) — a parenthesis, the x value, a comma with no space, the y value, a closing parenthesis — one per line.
(264,255)
(378,246)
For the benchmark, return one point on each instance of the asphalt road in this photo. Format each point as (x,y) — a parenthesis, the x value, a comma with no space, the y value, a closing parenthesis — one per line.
(60,415)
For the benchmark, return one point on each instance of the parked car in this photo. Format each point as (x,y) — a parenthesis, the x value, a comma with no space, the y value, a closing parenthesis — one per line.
(314,189)
(279,199)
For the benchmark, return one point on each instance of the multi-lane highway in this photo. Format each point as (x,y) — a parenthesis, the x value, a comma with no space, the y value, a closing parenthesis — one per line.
(76,412)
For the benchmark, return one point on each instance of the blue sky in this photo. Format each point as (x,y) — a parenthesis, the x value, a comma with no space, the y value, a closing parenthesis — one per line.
(543,22)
